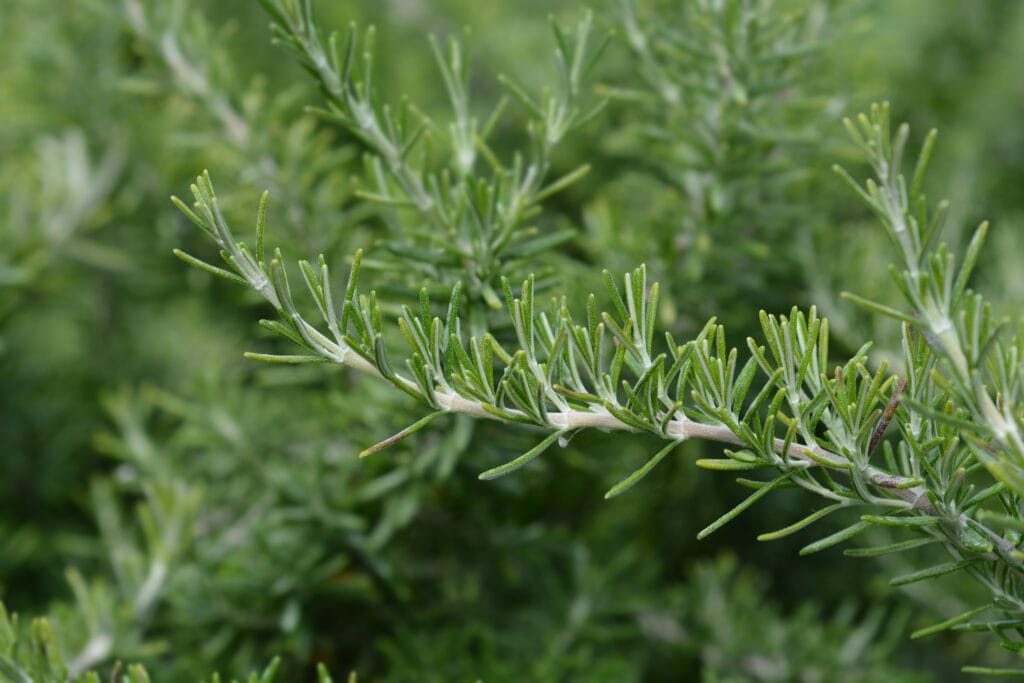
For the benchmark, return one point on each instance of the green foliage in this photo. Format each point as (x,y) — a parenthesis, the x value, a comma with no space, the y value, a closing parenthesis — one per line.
(562,377)
(698,631)
(175,506)
(718,134)
(452,223)
(32,656)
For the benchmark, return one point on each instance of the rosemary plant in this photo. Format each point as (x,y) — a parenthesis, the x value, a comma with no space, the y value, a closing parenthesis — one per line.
(718,116)
(784,409)
(37,659)
(456,224)
(190,515)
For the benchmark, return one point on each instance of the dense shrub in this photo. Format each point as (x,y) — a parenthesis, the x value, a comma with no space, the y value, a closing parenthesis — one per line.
(173,504)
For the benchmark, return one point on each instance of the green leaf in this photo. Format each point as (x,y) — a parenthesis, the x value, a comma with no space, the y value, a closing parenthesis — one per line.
(517,92)
(973,540)
(797,526)
(200,223)
(898,520)
(411,429)
(750,500)
(970,259)
(324,676)
(213,270)
(922,163)
(728,464)
(876,307)
(138,674)
(892,548)
(639,474)
(504,414)
(942,626)
(1001,519)
(47,651)
(626,417)
(561,183)
(502,470)
(12,672)
(292,360)
(834,539)
(270,673)
(617,302)
(261,219)
(931,572)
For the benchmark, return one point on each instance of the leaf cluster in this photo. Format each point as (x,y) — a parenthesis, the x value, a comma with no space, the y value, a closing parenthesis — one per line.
(803,422)
(232,520)
(449,219)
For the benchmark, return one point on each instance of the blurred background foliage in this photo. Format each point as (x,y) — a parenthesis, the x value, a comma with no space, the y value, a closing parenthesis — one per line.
(168,502)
